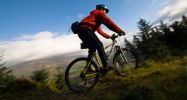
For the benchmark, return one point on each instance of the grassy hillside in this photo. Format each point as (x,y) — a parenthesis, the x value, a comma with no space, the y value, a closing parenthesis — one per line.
(50,63)
(153,80)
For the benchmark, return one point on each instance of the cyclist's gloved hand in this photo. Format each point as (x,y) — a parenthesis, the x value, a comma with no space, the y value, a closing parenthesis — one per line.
(121,33)
(113,36)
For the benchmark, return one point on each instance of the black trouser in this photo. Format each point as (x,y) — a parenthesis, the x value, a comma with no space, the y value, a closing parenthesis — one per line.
(89,38)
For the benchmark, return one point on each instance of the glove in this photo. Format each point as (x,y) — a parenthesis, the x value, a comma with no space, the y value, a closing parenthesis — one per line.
(121,33)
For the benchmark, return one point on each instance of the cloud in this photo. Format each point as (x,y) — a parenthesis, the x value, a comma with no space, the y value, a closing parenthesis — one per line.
(40,45)
(172,10)
(43,44)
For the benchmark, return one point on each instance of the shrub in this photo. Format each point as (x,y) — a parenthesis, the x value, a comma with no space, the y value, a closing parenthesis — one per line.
(6,78)
(22,84)
(60,81)
(40,76)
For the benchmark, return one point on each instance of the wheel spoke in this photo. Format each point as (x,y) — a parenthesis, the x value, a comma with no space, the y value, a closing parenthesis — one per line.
(78,80)
(125,63)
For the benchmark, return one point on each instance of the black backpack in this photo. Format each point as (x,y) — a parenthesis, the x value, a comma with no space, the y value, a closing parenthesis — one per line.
(75,27)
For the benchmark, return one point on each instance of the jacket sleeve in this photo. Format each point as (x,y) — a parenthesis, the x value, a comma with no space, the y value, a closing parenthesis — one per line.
(99,30)
(104,19)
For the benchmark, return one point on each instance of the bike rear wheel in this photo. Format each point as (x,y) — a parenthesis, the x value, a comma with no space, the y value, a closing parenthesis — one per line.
(78,81)
(125,62)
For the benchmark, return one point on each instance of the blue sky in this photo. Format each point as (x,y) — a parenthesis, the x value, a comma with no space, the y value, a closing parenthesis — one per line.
(30,16)
(36,29)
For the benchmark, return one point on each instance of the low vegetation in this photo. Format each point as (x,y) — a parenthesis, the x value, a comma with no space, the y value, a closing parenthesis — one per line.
(6,79)
(153,80)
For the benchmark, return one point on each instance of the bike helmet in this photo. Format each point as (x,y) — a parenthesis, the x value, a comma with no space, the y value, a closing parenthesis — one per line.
(101,6)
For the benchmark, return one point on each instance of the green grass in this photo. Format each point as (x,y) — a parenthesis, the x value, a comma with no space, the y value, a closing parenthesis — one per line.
(153,80)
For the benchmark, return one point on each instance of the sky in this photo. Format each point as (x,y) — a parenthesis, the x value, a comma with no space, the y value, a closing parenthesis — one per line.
(33,29)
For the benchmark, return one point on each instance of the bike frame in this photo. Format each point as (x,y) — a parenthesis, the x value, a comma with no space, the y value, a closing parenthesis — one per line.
(114,48)
(96,56)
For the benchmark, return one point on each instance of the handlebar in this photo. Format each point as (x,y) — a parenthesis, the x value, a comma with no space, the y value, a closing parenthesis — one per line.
(114,36)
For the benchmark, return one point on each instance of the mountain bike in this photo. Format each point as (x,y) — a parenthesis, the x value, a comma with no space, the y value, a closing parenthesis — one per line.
(83,73)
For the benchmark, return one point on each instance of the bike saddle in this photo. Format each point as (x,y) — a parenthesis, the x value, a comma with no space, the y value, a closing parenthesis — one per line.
(84,46)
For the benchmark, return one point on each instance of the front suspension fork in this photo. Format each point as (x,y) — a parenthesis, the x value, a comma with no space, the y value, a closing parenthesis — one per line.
(119,50)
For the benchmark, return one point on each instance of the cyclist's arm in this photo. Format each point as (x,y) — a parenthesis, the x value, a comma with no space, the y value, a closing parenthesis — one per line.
(104,19)
(100,31)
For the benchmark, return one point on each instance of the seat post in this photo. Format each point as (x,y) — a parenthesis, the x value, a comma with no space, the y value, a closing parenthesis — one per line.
(91,52)
(90,57)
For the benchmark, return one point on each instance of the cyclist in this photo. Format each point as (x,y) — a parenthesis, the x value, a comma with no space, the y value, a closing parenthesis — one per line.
(92,23)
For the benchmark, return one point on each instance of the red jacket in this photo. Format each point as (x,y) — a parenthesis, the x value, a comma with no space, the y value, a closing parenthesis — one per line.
(96,18)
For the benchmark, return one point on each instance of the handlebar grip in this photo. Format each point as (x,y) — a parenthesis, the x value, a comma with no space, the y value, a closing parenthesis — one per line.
(114,36)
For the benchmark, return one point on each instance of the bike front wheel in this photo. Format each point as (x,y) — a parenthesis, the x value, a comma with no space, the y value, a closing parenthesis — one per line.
(79,80)
(125,61)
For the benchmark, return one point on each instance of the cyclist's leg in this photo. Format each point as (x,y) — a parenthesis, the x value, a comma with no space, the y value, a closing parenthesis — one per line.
(84,36)
(99,46)
(89,37)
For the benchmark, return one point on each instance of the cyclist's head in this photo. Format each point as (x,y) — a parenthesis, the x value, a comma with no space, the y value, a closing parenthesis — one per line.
(102,7)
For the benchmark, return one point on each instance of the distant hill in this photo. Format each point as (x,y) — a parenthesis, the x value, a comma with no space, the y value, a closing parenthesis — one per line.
(50,63)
